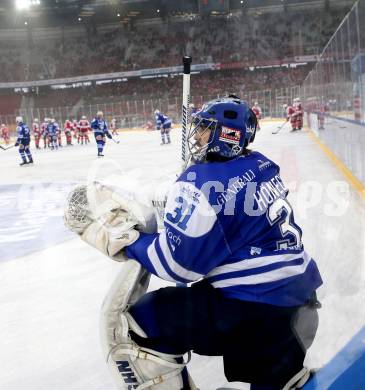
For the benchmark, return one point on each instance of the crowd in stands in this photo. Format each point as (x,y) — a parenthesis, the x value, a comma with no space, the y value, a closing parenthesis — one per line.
(243,38)
(209,83)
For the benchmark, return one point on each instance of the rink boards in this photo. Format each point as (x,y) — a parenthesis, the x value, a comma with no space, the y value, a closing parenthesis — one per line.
(345,371)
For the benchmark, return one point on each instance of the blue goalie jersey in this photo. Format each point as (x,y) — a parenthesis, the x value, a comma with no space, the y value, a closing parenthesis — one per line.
(238,232)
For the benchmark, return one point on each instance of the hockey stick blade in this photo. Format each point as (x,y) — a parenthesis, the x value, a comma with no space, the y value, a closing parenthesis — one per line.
(9,147)
(279,128)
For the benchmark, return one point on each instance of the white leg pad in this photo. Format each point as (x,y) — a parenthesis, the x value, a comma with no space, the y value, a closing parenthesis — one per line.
(132,366)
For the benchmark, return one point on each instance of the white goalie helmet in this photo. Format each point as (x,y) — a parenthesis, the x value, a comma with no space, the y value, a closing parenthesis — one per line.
(83,117)
(157,112)
(19,119)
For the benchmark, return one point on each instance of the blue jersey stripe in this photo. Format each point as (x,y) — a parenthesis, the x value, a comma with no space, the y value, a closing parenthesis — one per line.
(292,291)
(173,265)
(257,271)
(173,275)
(265,277)
(256,262)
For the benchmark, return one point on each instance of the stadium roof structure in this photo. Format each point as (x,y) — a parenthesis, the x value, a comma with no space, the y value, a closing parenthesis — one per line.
(47,13)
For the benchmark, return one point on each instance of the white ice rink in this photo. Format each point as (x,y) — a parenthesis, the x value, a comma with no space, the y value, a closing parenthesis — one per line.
(52,285)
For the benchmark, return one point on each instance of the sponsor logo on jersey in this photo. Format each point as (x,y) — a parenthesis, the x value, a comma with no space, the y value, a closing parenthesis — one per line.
(235,187)
(298,247)
(231,136)
(263,164)
(193,195)
(174,239)
(127,374)
(255,251)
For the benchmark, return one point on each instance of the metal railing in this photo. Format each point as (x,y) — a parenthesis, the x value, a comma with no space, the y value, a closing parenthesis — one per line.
(136,113)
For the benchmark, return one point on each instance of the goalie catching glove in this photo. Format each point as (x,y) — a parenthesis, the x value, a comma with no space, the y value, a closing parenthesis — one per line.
(107,219)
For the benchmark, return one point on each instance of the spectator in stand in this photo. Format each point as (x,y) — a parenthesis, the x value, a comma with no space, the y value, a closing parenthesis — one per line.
(271,35)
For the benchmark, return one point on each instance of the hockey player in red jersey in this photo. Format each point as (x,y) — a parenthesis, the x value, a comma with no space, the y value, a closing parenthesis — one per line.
(298,113)
(148,126)
(83,127)
(75,129)
(5,134)
(67,128)
(44,133)
(290,116)
(37,132)
(113,126)
(258,112)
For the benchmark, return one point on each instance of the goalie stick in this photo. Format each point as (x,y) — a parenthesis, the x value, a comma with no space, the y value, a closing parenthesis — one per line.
(159,205)
(185,111)
(185,119)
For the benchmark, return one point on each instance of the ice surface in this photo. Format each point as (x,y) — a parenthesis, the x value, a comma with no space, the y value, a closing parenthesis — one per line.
(52,284)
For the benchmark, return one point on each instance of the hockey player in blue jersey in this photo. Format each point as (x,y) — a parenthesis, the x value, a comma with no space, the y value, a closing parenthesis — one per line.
(100,129)
(23,141)
(230,231)
(51,133)
(163,123)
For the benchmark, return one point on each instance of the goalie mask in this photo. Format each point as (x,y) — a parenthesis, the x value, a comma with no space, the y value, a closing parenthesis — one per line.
(221,130)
